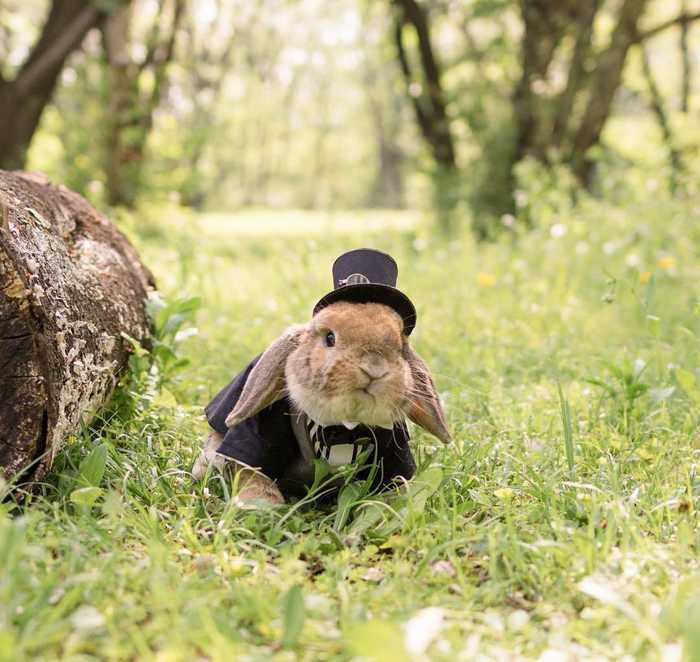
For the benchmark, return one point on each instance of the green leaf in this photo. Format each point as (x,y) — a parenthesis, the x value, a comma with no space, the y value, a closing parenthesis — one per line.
(568,428)
(294,616)
(385,514)
(86,496)
(422,486)
(346,499)
(169,318)
(92,468)
(370,516)
(154,305)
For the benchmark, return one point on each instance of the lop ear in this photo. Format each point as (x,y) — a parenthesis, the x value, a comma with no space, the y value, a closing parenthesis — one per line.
(424,406)
(266,383)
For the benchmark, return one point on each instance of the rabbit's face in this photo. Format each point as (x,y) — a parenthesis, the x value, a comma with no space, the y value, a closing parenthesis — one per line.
(350,366)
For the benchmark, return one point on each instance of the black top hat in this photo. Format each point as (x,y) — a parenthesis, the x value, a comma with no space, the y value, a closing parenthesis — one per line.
(366,275)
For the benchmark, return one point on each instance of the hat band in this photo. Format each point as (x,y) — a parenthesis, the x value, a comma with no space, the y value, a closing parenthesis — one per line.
(354,279)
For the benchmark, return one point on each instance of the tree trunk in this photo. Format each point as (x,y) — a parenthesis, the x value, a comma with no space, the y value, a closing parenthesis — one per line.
(430,105)
(575,81)
(126,122)
(543,32)
(70,286)
(22,100)
(130,117)
(428,97)
(606,81)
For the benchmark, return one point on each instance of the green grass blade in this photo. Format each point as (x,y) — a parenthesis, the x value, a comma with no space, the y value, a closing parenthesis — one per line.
(568,428)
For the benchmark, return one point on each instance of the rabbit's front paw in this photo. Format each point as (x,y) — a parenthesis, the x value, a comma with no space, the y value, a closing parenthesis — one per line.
(209,457)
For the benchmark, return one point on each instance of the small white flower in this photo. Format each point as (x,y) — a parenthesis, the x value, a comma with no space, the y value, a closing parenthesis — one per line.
(415,89)
(420,244)
(494,621)
(518,619)
(558,230)
(539,86)
(554,655)
(373,574)
(422,628)
(521,198)
(672,653)
(87,618)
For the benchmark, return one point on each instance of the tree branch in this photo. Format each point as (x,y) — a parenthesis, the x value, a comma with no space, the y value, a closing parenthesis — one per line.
(605,83)
(442,144)
(686,61)
(659,110)
(43,65)
(153,39)
(577,73)
(178,13)
(163,58)
(161,53)
(421,116)
(678,20)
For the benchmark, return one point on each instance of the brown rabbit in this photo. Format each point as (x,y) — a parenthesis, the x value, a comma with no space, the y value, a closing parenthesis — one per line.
(344,382)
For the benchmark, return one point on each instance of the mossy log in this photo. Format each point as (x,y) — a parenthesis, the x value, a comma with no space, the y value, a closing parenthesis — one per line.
(71,285)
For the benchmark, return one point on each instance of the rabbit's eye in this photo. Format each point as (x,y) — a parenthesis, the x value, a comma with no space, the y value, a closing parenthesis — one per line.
(329,339)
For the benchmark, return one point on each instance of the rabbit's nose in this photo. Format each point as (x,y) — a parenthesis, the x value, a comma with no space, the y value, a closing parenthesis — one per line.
(374,366)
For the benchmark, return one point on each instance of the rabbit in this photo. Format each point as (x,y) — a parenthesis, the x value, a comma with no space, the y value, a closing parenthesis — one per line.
(351,364)
(347,379)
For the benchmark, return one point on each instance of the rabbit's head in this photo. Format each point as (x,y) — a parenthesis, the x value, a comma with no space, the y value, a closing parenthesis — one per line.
(351,363)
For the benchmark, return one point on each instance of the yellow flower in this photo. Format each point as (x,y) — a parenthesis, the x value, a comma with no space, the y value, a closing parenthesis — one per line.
(484,279)
(645,277)
(668,262)
(503,493)
(645,454)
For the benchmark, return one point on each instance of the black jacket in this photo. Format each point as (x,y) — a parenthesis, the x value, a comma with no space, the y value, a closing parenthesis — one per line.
(267,441)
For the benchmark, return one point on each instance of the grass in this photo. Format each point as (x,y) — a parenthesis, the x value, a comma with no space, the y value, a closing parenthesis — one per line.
(564,523)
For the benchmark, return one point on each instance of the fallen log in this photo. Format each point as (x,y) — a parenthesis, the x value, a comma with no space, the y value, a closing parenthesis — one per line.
(71,285)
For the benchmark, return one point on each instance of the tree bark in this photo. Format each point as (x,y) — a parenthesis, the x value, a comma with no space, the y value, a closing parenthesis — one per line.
(22,100)
(71,286)
(605,83)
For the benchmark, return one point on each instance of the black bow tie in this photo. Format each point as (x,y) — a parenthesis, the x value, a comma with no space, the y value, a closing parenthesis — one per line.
(339,434)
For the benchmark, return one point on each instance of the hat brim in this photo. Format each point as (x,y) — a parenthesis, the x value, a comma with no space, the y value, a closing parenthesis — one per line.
(374,293)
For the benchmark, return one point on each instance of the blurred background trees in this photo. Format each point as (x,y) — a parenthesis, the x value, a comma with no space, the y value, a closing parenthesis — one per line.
(29,73)
(459,107)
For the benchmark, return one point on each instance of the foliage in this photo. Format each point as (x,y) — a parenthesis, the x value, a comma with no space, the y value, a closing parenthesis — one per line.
(497,550)
(302,104)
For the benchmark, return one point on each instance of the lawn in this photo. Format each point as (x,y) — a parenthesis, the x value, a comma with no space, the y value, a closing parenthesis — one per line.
(561,524)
